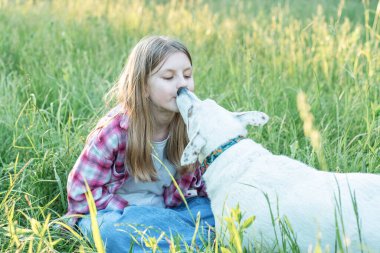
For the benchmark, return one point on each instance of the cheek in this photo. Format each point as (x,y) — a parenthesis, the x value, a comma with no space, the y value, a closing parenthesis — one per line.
(157,89)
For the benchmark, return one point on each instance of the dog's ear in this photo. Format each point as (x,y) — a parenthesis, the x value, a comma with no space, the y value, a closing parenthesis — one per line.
(253,118)
(193,149)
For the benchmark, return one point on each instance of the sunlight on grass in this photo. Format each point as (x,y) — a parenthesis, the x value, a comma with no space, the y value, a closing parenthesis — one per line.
(58,58)
(236,227)
(309,130)
(94,222)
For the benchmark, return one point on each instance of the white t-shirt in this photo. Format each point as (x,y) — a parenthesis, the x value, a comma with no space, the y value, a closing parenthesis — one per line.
(150,193)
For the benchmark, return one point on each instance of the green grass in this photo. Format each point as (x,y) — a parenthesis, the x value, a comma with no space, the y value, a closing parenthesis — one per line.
(58,58)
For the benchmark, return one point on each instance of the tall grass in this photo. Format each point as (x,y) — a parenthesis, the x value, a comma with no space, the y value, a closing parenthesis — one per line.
(57,59)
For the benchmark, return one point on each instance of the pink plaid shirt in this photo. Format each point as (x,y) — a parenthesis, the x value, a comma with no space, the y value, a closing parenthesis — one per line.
(101,164)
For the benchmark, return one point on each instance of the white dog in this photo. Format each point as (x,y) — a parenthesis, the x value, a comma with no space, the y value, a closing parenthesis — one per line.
(319,205)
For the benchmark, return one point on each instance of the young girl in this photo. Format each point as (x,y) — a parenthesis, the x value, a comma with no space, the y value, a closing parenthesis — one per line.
(131,156)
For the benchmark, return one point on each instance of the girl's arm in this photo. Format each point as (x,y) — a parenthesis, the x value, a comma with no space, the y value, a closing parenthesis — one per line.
(94,166)
(189,184)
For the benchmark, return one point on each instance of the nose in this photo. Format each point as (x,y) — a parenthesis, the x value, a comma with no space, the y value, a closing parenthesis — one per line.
(181,90)
(182,83)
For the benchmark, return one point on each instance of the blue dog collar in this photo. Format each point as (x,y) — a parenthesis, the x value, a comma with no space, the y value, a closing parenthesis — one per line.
(217,152)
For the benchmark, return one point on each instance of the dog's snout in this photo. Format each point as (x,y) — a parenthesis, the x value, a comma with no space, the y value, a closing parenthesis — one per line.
(181,90)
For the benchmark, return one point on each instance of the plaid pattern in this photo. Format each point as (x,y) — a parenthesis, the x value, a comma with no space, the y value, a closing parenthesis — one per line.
(101,164)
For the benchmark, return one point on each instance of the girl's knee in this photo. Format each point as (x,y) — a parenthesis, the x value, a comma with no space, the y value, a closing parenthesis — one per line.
(199,201)
(106,222)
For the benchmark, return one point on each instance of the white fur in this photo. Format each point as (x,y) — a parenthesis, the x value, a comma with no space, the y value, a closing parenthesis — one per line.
(247,172)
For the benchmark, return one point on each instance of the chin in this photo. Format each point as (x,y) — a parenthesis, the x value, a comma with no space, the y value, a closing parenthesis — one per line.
(173,107)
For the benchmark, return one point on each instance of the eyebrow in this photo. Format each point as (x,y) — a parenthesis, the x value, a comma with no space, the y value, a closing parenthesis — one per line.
(173,70)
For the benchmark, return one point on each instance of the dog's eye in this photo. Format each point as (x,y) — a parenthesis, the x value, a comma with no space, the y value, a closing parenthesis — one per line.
(190,112)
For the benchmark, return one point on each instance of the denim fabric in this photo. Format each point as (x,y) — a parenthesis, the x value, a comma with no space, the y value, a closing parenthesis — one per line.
(118,228)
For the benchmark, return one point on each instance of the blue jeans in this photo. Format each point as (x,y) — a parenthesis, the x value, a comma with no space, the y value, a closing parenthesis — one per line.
(125,230)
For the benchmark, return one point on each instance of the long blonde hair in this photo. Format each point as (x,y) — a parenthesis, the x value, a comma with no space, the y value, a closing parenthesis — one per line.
(130,92)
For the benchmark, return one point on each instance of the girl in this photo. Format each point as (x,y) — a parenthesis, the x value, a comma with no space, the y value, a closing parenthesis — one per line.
(131,156)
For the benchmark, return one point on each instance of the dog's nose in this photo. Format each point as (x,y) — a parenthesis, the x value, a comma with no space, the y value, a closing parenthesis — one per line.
(180,90)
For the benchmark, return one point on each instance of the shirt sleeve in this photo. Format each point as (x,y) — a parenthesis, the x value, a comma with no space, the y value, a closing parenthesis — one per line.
(191,181)
(94,166)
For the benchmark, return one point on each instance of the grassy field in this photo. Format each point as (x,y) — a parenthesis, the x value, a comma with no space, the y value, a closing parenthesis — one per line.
(58,58)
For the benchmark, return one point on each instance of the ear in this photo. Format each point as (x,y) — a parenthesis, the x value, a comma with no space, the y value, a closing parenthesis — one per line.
(253,118)
(193,149)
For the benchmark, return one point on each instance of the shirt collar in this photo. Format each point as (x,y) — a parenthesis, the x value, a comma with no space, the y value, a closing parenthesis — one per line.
(124,121)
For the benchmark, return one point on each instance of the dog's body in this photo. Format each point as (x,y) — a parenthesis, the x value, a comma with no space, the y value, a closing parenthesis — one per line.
(318,205)
(309,198)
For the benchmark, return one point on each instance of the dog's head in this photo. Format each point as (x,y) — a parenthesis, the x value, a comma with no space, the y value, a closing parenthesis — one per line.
(210,125)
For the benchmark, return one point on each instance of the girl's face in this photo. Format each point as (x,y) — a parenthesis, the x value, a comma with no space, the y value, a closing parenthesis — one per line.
(175,72)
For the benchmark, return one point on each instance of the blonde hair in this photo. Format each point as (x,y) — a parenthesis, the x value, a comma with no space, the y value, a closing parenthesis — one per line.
(130,92)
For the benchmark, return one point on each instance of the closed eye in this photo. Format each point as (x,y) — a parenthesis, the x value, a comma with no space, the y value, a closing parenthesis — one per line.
(190,112)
